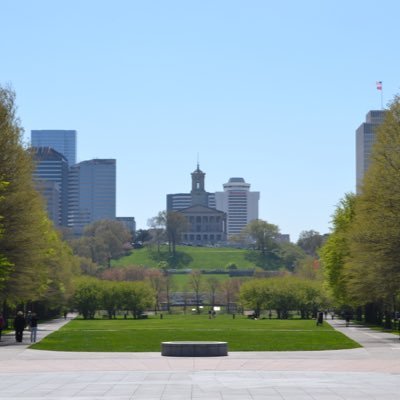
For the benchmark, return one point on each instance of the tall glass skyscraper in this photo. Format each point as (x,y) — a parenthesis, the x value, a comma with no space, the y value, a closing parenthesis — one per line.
(92,192)
(51,178)
(77,194)
(365,138)
(63,141)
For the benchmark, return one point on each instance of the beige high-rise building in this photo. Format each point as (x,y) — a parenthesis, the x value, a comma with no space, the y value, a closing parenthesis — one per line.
(239,203)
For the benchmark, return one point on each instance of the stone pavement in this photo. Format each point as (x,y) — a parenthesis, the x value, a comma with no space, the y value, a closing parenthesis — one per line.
(371,373)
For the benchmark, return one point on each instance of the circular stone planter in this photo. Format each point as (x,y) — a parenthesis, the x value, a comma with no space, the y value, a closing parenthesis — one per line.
(194,349)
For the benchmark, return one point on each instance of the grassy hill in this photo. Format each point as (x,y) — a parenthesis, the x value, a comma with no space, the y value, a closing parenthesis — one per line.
(204,258)
(191,257)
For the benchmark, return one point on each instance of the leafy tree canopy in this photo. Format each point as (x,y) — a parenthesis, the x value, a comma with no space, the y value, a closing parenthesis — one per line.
(373,271)
(101,241)
(310,241)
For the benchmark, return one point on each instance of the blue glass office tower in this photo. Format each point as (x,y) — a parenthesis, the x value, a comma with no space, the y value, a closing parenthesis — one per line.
(51,178)
(92,192)
(63,141)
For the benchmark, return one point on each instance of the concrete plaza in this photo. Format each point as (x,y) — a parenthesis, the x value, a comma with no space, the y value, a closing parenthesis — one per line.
(371,372)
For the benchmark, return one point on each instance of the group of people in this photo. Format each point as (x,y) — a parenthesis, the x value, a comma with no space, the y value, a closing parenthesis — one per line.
(21,322)
(320,317)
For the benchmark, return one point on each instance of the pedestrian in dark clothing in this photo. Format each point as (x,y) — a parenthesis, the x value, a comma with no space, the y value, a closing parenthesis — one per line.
(320,318)
(19,326)
(34,322)
(2,324)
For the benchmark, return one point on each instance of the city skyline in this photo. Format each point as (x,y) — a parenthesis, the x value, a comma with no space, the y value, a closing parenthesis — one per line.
(272,93)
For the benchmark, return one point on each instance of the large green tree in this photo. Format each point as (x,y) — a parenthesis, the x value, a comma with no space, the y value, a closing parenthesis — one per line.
(62,266)
(176,223)
(110,297)
(335,253)
(5,265)
(24,222)
(157,225)
(101,241)
(310,241)
(137,297)
(36,265)
(291,255)
(373,272)
(263,237)
(87,296)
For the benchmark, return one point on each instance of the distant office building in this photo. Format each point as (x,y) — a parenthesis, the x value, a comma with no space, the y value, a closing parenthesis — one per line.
(365,138)
(240,205)
(63,141)
(178,201)
(92,192)
(198,195)
(51,194)
(51,177)
(129,223)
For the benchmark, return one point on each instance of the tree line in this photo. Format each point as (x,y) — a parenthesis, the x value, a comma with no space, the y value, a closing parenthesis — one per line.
(92,295)
(35,263)
(361,258)
(284,294)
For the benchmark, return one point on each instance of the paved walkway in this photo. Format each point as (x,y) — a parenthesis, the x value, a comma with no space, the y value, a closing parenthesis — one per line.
(371,373)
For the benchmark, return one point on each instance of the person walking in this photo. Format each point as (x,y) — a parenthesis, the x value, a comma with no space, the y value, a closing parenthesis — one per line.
(2,324)
(19,326)
(28,319)
(347,318)
(33,324)
(320,318)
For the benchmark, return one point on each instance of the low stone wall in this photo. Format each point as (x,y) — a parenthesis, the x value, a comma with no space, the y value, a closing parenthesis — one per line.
(194,349)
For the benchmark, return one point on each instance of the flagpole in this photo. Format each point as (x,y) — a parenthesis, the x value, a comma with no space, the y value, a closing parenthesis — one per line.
(379,87)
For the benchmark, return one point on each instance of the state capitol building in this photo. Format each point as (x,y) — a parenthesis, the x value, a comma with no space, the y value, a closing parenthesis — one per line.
(214,217)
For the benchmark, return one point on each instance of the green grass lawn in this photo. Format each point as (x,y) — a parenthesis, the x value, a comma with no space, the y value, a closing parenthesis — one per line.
(242,334)
(201,258)
(181,282)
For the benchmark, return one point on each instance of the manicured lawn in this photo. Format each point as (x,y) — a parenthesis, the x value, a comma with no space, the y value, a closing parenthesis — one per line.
(200,258)
(242,334)
(181,282)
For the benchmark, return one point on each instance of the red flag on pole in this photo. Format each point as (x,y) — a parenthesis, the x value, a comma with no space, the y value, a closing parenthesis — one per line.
(379,85)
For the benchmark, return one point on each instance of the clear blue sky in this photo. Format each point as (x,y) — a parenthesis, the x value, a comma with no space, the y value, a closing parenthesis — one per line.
(265,90)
